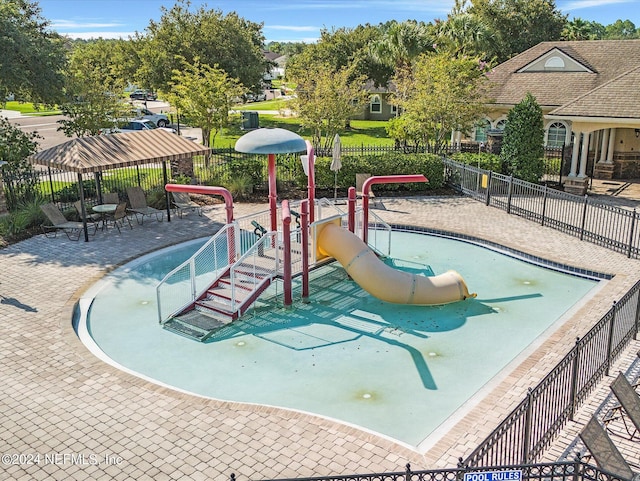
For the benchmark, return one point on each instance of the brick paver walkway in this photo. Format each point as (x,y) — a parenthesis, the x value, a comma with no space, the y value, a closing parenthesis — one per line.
(66,415)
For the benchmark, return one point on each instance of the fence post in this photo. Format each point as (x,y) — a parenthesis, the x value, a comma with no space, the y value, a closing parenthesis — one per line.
(574,379)
(584,216)
(610,340)
(407,472)
(527,428)
(510,194)
(631,232)
(637,316)
(544,203)
(488,194)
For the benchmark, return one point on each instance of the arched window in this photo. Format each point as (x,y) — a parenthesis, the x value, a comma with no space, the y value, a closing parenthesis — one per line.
(556,134)
(481,130)
(501,124)
(376,104)
(554,62)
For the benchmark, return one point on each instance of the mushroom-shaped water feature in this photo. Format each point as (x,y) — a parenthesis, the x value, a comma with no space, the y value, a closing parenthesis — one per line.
(271,141)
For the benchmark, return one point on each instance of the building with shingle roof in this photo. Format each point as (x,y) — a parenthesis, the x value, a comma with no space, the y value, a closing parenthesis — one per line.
(589,94)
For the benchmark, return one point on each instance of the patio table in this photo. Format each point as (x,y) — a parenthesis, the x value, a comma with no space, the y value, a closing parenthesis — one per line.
(104,210)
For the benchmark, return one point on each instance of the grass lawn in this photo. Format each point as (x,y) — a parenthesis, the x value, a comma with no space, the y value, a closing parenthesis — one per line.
(362,132)
(28,108)
(275,105)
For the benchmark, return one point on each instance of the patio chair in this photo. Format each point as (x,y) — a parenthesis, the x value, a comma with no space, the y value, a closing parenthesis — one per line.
(91,217)
(118,217)
(60,222)
(110,198)
(182,202)
(138,205)
(602,449)
(373,202)
(628,407)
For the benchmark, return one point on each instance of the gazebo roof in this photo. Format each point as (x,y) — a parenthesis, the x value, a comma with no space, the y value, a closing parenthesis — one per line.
(104,152)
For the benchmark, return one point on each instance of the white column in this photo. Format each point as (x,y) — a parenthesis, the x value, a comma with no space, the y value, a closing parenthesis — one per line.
(577,137)
(603,145)
(584,154)
(612,144)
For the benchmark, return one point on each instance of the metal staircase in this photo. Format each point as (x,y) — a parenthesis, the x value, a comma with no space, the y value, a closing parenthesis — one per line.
(229,295)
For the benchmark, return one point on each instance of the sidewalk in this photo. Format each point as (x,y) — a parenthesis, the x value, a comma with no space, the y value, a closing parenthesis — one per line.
(10,114)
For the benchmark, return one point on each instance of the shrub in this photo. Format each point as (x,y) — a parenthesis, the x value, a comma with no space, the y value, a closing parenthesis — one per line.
(390,163)
(482,160)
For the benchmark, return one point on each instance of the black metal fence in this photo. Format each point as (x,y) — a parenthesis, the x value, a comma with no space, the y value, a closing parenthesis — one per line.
(530,428)
(565,471)
(224,166)
(603,224)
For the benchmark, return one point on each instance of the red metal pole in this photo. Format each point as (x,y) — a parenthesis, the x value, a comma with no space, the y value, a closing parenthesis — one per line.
(273,196)
(286,234)
(311,182)
(351,216)
(207,190)
(304,227)
(382,179)
(228,202)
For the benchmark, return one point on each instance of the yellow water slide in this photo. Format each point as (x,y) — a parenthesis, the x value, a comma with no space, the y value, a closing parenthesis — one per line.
(382,281)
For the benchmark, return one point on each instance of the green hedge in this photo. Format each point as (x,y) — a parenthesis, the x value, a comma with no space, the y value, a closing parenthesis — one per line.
(482,160)
(391,163)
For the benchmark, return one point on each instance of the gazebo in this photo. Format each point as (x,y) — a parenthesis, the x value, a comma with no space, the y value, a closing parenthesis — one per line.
(93,155)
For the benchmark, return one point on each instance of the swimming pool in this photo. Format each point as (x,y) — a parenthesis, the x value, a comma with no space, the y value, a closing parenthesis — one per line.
(399,371)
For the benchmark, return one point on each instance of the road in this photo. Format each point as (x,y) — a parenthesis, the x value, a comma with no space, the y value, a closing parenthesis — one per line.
(47,126)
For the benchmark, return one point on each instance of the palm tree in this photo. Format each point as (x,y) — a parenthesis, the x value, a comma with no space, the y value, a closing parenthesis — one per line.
(577,29)
(399,47)
(463,34)
(401,44)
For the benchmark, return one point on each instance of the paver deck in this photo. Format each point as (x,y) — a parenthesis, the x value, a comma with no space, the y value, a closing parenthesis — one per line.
(67,415)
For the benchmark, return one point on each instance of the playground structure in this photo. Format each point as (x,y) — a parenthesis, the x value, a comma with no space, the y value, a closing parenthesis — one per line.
(226,276)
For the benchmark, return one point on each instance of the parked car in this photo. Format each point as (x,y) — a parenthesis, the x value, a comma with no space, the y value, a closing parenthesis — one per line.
(161,120)
(141,94)
(251,97)
(137,124)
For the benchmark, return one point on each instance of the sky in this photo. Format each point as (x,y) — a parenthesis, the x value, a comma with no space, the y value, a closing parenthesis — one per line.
(289,20)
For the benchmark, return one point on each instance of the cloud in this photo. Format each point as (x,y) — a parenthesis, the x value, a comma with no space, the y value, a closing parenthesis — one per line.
(437,6)
(66,24)
(98,34)
(580,4)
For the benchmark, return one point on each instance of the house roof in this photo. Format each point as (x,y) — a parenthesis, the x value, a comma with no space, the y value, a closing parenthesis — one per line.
(104,152)
(592,65)
(610,100)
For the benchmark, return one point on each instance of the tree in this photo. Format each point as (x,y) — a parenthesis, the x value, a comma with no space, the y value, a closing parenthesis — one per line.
(463,34)
(33,57)
(522,151)
(443,95)
(327,99)
(230,42)
(96,74)
(518,24)
(621,30)
(18,175)
(578,29)
(204,94)
(400,45)
(338,48)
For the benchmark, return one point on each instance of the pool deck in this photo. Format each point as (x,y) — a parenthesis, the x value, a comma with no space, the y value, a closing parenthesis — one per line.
(64,410)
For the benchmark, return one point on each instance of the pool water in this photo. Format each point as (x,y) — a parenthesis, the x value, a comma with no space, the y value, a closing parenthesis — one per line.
(399,371)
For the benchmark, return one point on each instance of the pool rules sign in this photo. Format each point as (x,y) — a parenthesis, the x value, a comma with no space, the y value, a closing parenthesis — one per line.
(507,475)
